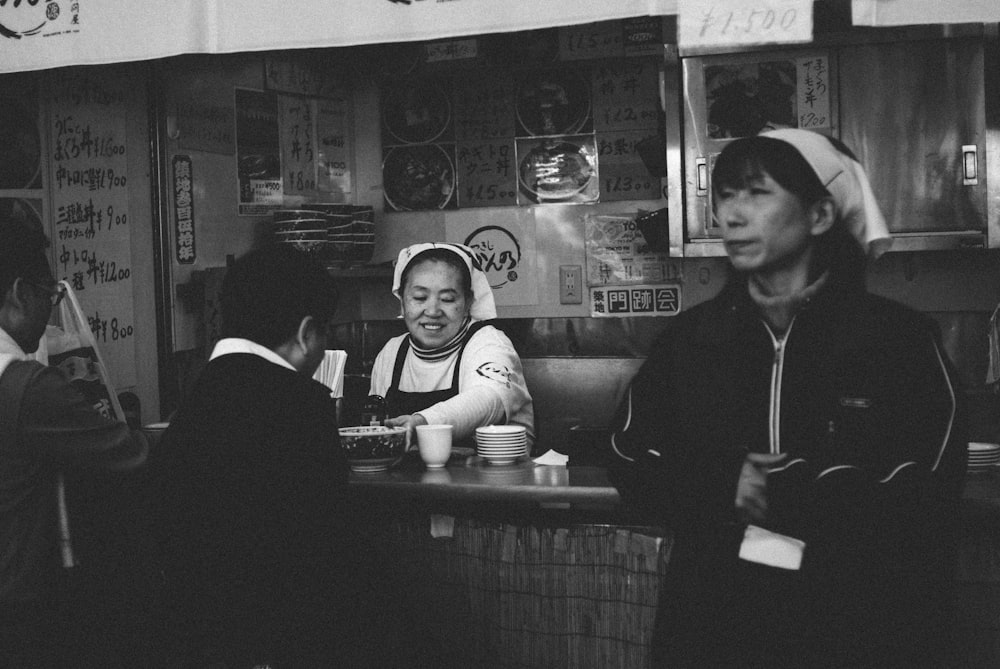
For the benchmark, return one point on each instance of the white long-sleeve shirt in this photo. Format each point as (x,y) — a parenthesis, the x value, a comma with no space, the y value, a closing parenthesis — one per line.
(491,385)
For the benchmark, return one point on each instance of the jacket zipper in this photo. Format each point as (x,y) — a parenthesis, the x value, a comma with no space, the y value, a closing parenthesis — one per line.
(777,368)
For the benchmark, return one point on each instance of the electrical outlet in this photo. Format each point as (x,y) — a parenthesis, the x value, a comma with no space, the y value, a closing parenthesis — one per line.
(570,284)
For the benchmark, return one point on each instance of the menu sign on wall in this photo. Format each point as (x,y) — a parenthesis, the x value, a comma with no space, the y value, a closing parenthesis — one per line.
(258,159)
(298,158)
(333,150)
(577,132)
(91,233)
(627,115)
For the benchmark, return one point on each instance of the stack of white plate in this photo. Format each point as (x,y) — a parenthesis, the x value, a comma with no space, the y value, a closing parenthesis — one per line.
(501,444)
(983,457)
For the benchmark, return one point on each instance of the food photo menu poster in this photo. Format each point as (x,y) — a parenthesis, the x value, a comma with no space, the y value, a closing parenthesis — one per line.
(574,132)
(506,251)
(91,226)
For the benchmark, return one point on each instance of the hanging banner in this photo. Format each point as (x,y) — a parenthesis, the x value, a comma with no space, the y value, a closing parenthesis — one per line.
(39,35)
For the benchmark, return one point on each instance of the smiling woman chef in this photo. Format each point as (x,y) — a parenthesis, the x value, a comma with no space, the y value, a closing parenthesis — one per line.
(453,366)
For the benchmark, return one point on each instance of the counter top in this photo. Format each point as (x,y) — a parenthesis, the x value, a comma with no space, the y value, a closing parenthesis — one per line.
(473,479)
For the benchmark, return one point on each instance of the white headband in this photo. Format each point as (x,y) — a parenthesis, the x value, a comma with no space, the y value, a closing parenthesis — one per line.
(847,183)
(483,307)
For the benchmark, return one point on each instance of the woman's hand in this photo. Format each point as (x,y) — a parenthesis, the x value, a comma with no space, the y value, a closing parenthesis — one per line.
(409,421)
(751,490)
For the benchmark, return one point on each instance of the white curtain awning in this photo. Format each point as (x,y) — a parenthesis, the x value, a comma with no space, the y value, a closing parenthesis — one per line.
(39,35)
(915,12)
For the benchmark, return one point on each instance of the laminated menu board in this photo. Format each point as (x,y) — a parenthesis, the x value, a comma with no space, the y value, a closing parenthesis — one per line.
(627,115)
(91,226)
(258,156)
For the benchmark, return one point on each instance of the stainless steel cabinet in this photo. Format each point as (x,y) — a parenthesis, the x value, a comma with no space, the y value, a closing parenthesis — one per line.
(914,113)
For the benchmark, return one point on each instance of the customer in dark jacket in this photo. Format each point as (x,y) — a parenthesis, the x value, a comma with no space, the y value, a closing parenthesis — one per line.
(800,436)
(47,428)
(250,484)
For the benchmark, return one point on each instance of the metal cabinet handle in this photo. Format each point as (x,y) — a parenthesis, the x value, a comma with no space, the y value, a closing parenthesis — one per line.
(701,175)
(970,166)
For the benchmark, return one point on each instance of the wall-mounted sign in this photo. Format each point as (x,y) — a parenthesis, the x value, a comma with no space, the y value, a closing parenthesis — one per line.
(302,75)
(91,224)
(204,127)
(631,301)
(183,211)
(715,23)
(258,153)
(506,251)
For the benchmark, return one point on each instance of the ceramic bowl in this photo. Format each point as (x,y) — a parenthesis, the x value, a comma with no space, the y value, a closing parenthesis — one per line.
(372,448)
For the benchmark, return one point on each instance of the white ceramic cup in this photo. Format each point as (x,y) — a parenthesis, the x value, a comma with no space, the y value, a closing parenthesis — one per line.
(434,444)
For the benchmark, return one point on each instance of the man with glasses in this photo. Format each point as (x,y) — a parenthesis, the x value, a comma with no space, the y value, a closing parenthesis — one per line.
(47,427)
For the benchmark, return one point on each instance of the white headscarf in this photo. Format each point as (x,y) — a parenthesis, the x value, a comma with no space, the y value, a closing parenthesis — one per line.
(847,183)
(483,307)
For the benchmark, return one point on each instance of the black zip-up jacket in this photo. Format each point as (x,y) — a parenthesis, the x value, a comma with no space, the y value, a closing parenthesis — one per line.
(862,398)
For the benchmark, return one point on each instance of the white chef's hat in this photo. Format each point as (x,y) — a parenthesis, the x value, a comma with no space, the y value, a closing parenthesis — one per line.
(483,307)
(847,183)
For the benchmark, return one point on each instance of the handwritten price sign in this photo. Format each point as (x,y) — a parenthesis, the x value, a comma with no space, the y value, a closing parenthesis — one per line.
(738,22)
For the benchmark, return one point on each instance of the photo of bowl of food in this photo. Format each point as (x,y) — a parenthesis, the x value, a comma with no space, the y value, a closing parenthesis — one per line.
(554,171)
(418,177)
(415,112)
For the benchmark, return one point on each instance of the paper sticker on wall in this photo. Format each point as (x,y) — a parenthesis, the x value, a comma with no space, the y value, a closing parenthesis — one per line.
(618,254)
(623,301)
(506,249)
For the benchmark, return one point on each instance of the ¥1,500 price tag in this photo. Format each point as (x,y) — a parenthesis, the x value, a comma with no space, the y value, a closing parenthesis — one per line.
(738,22)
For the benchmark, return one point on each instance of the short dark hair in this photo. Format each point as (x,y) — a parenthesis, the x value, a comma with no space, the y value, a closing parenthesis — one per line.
(445,256)
(267,292)
(746,159)
(22,254)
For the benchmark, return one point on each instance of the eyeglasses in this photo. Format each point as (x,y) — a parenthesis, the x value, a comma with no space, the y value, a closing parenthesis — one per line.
(56,292)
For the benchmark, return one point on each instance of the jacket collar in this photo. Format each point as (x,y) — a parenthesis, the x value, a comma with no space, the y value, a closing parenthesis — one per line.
(734,311)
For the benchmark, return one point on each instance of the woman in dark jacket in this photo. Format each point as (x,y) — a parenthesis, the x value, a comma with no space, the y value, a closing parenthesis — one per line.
(799,435)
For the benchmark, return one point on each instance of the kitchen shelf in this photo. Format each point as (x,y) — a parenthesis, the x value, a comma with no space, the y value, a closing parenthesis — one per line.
(361,271)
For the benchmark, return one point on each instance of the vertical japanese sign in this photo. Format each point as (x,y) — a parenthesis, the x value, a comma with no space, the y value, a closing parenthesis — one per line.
(183,210)
(813,92)
(91,230)
(257,152)
(627,111)
(298,155)
(333,149)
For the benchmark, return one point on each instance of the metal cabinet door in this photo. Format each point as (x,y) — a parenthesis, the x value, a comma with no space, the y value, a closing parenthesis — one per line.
(914,114)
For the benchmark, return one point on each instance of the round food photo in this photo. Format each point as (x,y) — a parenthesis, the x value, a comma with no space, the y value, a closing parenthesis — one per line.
(558,171)
(418,177)
(553,103)
(414,113)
